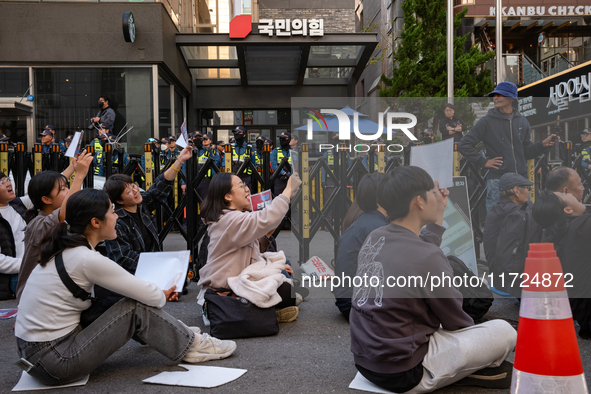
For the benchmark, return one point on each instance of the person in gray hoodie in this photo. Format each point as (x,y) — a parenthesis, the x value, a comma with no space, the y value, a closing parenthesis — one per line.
(506,136)
(413,335)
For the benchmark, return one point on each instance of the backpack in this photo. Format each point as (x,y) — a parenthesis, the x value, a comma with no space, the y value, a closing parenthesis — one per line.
(477,300)
(517,232)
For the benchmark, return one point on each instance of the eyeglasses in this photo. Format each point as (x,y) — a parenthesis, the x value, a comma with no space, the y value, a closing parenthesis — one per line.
(242,185)
(4,180)
(133,188)
(584,134)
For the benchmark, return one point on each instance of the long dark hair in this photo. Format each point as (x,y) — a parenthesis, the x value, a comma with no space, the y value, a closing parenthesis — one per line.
(81,208)
(41,185)
(215,201)
(548,212)
(366,199)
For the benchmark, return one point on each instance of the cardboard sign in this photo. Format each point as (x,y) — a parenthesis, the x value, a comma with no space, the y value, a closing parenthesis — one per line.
(261,200)
(458,238)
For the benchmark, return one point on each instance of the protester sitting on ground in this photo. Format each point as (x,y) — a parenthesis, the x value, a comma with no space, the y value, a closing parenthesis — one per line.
(372,217)
(565,180)
(48,330)
(234,233)
(136,225)
(49,193)
(568,227)
(415,338)
(12,236)
(513,194)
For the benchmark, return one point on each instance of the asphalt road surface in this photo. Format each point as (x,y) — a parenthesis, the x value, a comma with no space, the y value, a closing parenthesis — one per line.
(310,355)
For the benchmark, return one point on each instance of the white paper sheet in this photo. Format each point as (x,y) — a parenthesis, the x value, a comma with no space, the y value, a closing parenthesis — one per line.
(27,382)
(181,142)
(197,376)
(437,159)
(71,152)
(360,383)
(164,269)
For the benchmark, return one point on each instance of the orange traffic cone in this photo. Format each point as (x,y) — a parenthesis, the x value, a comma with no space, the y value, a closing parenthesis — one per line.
(547,358)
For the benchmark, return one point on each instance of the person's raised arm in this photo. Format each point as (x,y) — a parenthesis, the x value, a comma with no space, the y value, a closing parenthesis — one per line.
(172,172)
(81,168)
(293,183)
(70,169)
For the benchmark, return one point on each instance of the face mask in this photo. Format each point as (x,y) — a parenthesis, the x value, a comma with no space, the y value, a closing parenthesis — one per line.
(163,147)
(198,143)
(239,138)
(284,142)
(100,104)
(260,145)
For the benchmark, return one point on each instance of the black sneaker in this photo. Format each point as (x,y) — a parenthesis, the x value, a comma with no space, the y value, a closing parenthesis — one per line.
(492,378)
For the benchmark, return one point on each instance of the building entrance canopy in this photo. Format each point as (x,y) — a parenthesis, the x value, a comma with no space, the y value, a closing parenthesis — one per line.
(259,60)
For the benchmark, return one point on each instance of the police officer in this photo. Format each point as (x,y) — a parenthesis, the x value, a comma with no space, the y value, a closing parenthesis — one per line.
(260,144)
(47,139)
(203,150)
(219,145)
(240,151)
(293,144)
(98,142)
(172,152)
(277,156)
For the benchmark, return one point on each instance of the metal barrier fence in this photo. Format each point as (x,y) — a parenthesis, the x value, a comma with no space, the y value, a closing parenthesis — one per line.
(327,192)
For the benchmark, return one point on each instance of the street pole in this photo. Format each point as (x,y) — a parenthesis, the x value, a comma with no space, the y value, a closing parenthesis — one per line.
(450,51)
(499,39)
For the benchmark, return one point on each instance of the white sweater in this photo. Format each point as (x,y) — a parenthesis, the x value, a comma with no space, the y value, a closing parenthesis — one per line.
(47,309)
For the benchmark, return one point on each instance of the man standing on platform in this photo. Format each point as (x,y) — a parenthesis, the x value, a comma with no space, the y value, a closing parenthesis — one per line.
(506,136)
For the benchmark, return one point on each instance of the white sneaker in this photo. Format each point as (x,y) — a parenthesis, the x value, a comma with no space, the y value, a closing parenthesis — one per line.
(209,348)
(196,330)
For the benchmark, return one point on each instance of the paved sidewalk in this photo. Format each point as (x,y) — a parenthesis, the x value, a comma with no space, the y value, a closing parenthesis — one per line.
(310,355)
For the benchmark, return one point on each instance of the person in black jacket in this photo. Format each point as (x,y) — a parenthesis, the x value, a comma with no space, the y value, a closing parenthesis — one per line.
(506,136)
(451,126)
(568,226)
(12,236)
(373,217)
(514,193)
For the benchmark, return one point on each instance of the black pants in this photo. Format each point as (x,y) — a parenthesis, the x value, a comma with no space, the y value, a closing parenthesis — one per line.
(285,291)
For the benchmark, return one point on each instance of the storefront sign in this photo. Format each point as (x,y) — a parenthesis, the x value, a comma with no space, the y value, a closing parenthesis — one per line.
(128,27)
(567,95)
(543,10)
(291,27)
(528,8)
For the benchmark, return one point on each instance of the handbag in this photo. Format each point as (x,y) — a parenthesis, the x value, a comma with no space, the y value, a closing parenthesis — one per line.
(96,307)
(235,317)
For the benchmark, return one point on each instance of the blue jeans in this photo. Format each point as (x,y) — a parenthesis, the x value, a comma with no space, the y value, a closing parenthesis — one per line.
(492,193)
(13,282)
(77,354)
